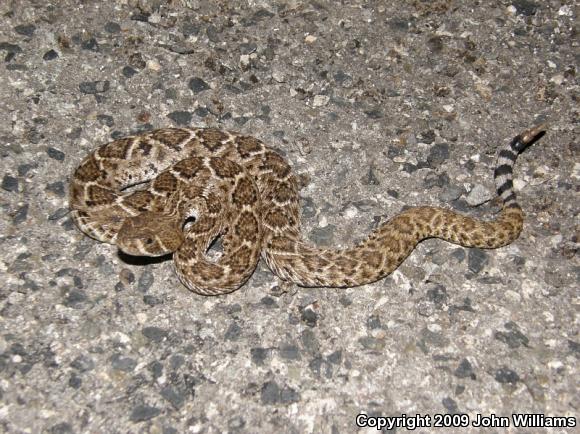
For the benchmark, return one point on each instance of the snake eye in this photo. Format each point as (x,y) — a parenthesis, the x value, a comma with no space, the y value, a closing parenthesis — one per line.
(188,222)
(149,241)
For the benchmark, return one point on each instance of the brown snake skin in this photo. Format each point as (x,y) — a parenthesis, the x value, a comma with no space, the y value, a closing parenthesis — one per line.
(201,184)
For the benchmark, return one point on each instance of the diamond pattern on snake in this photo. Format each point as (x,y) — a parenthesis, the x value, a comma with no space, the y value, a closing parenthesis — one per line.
(191,186)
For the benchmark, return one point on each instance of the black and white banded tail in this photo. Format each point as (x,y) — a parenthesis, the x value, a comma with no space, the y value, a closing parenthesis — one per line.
(506,159)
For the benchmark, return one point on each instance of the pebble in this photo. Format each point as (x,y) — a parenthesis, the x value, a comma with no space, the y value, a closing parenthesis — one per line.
(25,29)
(10,183)
(129,72)
(50,55)
(112,27)
(55,154)
(145,280)
(320,100)
(478,195)
(272,394)
(155,334)
(506,375)
(476,260)
(181,117)
(94,87)
(21,214)
(198,85)
(142,413)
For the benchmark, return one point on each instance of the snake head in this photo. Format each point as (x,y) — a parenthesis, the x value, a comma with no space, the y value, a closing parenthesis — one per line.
(150,234)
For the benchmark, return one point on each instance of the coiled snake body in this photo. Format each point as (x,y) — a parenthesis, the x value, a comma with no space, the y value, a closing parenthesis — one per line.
(201,184)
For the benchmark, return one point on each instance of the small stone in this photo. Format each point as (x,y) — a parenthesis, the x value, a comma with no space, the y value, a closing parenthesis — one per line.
(136,61)
(309,317)
(271,394)
(55,154)
(75,381)
(245,61)
(90,44)
(197,85)
(23,169)
(241,120)
(83,363)
(10,183)
(574,347)
(25,29)
(514,338)
(320,100)
(436,180)
(155,334)
(125,364)
(75,298)
(371,177)
(437,294)
(106,120)
(181,117)
(374,322)
(450,405)
(372,343)
(59,213)
(290,352)
(156,369)
(323,236)
(505,375)
(427,137)
(94,87)
(142,413)
(112,27)
(151,300)
(341,77)
(320,367)
(176,361)
(464,370)
(310,39)
(262,14)
(525,7)
(56,188)
(129,72)
(478,195)
(21,214)
(213,34)
(374,112)
(201,112)
(438,154)
(138,16)
(175,398)
(50,55)
(259,355)
(233,332)
(10,48)
(310,342)
(61,428)
(268,302)
(476,260)
(190,29)
(145,281)
(450,193)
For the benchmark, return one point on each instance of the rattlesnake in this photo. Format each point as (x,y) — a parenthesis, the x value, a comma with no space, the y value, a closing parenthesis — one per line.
(201,184)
